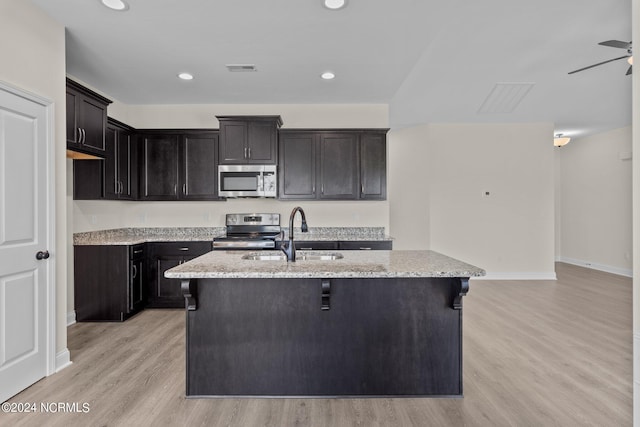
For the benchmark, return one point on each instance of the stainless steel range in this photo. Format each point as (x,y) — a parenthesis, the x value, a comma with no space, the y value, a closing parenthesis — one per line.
(250,231)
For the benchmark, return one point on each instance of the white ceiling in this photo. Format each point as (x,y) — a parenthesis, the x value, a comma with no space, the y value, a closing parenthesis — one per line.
(431,61)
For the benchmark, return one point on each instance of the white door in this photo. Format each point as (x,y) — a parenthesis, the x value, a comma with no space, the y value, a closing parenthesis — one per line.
(25,264)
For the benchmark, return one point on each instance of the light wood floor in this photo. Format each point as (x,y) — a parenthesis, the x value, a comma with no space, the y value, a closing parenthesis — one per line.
(537,353)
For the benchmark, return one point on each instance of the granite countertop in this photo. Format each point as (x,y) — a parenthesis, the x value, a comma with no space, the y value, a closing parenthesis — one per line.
(355,264)
(133,236)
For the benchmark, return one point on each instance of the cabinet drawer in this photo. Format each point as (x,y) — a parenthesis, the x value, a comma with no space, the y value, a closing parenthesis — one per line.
(307,245)
(366,245)
(137,252)
(182,248)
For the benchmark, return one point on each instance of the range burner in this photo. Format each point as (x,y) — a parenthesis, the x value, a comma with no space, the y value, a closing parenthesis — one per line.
(250,231)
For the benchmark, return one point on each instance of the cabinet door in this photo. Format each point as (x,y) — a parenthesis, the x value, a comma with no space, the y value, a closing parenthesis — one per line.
(159,167)
(124,152)
(297,175)
(199,175)
(73,137)
(93,120)
(167,292)
(233,142)
(111,186)
(262,142)
(373,166)
(338,163)
(136,285)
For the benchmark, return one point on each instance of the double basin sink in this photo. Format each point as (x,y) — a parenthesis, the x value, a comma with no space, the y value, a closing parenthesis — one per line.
(300,256)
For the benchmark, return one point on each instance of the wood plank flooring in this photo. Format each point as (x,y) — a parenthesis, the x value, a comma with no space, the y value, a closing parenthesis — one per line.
(536,353)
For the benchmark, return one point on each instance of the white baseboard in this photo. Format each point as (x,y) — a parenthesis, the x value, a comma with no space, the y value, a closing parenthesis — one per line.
(517,276)
(627,272)
(71,318)
(63,360)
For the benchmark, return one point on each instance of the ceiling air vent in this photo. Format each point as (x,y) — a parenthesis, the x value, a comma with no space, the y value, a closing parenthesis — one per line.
(505,97)
(241,68)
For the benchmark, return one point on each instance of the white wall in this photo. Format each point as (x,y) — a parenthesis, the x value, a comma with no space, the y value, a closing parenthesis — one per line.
(595,185)
(408,195)
(509,233)
(32,47)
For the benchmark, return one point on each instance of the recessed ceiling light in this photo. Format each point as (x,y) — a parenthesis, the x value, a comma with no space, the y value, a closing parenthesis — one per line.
(328,75)
(115,4)
(185,76)
(334,4)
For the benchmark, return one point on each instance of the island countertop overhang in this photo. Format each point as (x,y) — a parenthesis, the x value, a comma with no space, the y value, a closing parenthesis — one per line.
(354,264)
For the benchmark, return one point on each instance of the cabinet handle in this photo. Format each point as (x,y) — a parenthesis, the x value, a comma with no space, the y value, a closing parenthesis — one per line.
(121,187)
(184,249)
(184,189)
(139,251)
(362,189)
(79,135)
(135,271)
(249,152)
(245,152)
(365,249)
(322,189)
(306,249)
(84,136)
(175,189)
(326,295)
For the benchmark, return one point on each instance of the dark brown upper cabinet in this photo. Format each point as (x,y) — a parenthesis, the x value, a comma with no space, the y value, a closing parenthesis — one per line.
(297,168)
(178,165)
(86,120)
(332,164)
(249,139)
(373,166)
(120,162)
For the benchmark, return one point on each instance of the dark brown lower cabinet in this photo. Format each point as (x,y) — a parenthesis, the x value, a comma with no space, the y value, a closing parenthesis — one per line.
(163,292)
(109,281)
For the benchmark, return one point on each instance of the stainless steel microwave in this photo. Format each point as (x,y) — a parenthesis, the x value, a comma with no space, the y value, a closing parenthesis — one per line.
(247,181)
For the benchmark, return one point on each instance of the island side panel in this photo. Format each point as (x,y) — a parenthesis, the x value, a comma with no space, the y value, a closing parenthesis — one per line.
(380,337)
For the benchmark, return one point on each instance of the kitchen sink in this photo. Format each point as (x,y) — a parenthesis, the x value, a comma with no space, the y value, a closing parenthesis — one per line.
(300,256)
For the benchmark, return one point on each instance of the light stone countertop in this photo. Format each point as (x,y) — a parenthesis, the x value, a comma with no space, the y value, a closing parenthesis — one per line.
(133,236)
(355,264)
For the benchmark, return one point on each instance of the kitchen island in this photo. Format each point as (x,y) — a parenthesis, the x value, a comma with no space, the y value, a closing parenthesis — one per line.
(357,323)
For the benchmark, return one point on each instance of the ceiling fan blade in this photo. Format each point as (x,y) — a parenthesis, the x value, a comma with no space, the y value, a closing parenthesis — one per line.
(629,70)
(616,43)
(599,63)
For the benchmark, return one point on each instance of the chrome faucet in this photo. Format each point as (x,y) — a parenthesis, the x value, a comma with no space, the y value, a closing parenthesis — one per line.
(289,248)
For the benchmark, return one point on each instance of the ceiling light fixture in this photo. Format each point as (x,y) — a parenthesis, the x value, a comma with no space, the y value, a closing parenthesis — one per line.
(328,75)
(560,140)
(185,76)
(630,60)
(334,4)
(118,5)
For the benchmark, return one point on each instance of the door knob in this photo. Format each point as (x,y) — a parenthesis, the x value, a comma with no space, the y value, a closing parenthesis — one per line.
(42,255)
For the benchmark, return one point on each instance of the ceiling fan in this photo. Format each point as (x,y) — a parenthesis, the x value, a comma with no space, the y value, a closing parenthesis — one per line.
(620,45)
